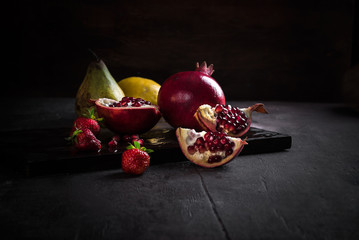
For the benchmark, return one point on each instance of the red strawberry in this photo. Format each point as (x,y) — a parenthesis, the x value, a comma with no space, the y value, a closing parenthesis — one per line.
(85,140)
(86,123)
(89,121)
(135,160)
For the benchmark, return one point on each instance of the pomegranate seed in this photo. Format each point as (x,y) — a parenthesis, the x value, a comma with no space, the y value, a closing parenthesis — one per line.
(202,149)
(127,138)
(199,141)
(229,151)
(223,141)
(112,144)
(116,138)
(140,141)
(219,108)
(135,136)
(214,158)
(207,135)
(137,104)
(210,138)
(227,146)
(191,150)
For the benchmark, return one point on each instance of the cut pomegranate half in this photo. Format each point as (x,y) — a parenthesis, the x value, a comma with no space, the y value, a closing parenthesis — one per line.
(208,149)
(128,116)
(233,121)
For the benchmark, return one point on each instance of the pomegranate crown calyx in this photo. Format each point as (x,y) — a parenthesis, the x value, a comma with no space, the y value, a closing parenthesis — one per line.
(204,69)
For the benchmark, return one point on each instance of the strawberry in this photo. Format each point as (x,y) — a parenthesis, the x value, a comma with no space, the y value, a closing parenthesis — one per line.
(89,121)
(85,140)
(135,160)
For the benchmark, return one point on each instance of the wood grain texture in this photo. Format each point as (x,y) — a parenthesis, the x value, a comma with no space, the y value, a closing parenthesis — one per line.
(267,50)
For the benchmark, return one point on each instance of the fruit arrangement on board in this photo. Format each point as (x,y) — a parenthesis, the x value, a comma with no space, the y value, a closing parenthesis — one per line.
(208,131)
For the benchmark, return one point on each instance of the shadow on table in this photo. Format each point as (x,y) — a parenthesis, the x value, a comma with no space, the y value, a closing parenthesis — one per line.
(346,111)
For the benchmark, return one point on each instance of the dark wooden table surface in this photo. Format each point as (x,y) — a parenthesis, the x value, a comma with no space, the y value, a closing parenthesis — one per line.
(310,191)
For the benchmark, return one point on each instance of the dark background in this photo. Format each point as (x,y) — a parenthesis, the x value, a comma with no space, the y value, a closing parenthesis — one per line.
(261,50)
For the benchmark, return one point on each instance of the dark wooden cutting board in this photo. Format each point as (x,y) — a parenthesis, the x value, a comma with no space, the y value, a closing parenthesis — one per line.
(44,151)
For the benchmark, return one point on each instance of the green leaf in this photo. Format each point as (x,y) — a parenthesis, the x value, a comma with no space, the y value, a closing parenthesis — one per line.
(76,132)
(149,151)
(137,144)
(73,137)
(130,146)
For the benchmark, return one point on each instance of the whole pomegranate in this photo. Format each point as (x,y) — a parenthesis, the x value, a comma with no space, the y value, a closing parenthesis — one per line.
(182,93)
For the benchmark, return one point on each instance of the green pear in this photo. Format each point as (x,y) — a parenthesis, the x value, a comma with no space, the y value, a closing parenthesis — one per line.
(98,83)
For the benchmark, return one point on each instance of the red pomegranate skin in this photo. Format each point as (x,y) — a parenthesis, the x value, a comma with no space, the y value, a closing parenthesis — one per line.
(181,95)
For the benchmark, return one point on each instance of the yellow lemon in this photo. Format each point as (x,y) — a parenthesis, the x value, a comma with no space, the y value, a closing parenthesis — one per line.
(139,87)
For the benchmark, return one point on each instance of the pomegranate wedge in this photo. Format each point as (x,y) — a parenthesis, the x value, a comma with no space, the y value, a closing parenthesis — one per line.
(208,149)
(233,121)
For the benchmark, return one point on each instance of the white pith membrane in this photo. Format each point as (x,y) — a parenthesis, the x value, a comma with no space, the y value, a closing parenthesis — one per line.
(187,137)
(107,103)
(207,116)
